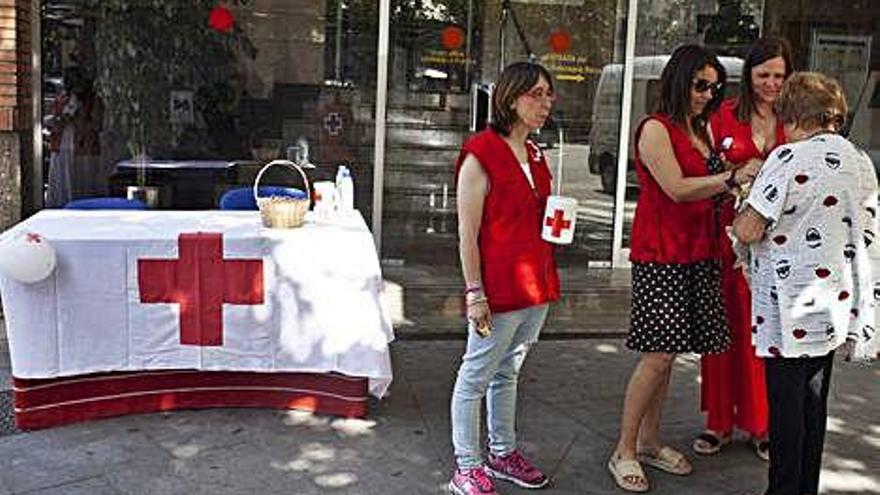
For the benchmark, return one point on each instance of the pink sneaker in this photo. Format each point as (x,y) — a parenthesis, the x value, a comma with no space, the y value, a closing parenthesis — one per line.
(517,469)
(472,482)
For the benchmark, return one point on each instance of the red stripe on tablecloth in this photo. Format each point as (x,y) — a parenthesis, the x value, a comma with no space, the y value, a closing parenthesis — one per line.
(41,403)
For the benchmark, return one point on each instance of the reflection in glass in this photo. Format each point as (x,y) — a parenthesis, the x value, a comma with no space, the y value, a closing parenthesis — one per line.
(198,95)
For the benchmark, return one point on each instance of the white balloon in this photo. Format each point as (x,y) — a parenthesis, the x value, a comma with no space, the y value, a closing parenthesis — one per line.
(27,257)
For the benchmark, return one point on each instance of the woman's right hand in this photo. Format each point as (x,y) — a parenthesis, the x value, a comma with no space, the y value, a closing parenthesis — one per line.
(478,315)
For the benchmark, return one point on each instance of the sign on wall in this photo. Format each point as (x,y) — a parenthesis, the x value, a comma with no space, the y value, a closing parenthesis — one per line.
(844,57)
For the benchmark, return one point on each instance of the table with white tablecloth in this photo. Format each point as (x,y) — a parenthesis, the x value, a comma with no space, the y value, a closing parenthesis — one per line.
(177,296)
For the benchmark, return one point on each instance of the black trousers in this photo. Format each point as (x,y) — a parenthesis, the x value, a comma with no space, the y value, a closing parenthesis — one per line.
(797,391)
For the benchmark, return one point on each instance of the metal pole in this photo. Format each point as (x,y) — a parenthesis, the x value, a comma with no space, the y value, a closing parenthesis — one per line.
(379,139)
(467,45)
(619,257)
(502,25)
(37,111)
(337,59)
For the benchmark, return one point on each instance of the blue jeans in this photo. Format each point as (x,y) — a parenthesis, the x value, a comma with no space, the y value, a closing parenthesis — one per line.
(490,367)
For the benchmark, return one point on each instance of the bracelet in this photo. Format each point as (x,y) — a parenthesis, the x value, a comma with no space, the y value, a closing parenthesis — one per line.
(730,182)
(477,300)
(473,288)
(474,296)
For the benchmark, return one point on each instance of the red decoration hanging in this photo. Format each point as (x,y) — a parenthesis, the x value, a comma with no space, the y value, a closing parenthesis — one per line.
(452,37)
(559,41)
(221,19)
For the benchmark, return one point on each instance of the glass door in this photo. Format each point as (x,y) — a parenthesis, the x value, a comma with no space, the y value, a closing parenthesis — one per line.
(226,88)
(728,27)
(443,55)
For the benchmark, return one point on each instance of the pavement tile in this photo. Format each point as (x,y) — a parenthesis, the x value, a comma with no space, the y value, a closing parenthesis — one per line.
(62,455)
(91,486)
(571,392)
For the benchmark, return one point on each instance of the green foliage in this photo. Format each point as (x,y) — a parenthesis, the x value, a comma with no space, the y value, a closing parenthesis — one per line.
(147,48)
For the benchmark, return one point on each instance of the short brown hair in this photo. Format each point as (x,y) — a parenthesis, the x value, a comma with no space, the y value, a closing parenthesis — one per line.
(516,80)
(810,100)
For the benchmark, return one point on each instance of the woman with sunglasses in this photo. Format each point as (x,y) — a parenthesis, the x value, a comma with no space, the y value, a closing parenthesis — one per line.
(676,296)
(510,277)
(746,129)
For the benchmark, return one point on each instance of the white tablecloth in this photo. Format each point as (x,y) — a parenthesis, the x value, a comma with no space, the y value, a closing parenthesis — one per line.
(321,311)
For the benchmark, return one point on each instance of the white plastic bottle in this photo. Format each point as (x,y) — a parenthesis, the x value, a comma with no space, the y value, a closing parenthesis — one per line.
(344,191)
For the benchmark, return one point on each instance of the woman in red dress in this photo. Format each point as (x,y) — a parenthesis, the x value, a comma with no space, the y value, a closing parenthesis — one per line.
(745,129)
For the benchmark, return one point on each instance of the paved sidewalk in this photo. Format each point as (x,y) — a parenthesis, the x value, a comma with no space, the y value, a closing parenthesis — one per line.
(571,394)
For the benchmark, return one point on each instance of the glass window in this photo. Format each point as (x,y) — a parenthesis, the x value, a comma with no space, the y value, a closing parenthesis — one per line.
(192,98)
(444,54)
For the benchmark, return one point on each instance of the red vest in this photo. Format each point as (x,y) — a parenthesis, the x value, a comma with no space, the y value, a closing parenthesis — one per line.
(518,267)
(665,231)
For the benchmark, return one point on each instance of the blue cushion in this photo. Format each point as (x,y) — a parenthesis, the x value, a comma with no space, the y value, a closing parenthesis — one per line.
(242,198)
(106,204)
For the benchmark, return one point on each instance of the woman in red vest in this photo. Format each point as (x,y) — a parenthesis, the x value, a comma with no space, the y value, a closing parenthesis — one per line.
(676,293)
(733,391)
(509,273)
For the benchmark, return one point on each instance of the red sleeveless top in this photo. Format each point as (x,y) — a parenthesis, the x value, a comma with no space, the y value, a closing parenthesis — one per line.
(518,267)
(665,231)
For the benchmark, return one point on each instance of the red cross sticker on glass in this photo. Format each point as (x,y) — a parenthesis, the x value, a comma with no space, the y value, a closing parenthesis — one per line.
(558,223)
(333,123)
(201,280)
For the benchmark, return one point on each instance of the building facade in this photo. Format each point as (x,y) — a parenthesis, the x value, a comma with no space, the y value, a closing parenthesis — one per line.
(389,88)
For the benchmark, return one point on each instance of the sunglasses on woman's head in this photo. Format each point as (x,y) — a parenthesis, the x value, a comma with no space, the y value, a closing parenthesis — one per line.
(702,85)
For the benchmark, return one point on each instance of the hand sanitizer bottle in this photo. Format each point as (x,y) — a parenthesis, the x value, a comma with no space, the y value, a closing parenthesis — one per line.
(344,191)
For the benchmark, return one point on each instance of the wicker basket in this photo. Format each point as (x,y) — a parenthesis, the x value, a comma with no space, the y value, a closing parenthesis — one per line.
(281,212)
(265,153)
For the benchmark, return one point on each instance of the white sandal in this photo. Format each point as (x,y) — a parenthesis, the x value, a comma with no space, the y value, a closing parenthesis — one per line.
(628,474)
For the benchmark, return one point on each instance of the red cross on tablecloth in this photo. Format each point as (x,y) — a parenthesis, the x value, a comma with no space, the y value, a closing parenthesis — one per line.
(557,222)
(201,280)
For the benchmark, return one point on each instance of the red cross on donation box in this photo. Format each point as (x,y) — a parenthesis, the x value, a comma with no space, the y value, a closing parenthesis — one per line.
(557,223)
(201,280)
(560,217)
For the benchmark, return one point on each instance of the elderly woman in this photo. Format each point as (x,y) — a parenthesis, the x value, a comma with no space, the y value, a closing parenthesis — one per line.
(810,220)
(509,273)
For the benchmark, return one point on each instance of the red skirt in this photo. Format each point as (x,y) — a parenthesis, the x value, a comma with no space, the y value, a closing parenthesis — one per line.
(733,387)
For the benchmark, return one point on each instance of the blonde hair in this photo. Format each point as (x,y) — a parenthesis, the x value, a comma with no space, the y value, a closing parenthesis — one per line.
(812,100)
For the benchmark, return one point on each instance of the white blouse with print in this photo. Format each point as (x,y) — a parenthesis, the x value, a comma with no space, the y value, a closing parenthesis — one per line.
(812,287)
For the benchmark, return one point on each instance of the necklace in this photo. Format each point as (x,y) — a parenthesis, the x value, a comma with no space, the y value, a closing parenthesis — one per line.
(763,131)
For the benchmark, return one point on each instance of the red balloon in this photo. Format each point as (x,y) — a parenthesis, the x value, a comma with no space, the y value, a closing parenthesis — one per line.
(559,41)
(221,19)
(452,37)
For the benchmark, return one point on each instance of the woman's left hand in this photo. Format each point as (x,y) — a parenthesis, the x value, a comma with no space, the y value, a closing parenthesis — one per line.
(751,169)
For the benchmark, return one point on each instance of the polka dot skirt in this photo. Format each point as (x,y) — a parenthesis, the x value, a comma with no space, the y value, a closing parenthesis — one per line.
(677,308)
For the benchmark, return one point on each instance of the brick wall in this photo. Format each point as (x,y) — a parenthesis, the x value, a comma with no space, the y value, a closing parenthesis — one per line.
(15,65)
(16,109)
